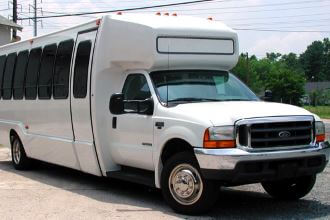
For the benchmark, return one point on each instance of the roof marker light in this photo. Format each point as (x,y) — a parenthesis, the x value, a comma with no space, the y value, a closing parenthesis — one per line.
(98,22)
(174,14)
(166,14)
(210,18)
(158,13)
(31,41)
(119,13)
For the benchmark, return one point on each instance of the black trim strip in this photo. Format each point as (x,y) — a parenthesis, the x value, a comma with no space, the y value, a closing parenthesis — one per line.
(88,30)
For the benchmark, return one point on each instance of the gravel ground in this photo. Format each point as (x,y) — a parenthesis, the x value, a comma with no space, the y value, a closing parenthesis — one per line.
(54,192)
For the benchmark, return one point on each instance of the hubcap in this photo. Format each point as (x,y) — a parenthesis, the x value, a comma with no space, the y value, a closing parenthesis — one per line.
(185,184)
(16,152)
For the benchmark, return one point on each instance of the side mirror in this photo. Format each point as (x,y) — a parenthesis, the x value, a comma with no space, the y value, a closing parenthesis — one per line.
(146,107)
(116,104)
(268,95)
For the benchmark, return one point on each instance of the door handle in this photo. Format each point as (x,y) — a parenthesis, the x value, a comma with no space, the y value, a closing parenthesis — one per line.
(114,122)
(159,124)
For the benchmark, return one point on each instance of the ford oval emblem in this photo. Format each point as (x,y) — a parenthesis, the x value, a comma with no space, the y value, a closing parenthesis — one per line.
(284,134)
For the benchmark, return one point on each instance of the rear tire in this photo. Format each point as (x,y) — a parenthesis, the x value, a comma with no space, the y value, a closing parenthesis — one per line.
(184,188)
(291,189)
(18,155)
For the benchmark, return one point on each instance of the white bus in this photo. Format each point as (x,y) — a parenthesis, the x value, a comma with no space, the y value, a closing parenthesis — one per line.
(150,99)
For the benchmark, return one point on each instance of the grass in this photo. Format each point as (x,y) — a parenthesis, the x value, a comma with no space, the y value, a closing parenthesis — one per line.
(322,111)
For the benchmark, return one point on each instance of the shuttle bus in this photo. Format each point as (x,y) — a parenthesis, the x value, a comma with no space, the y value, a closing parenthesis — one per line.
(150,99)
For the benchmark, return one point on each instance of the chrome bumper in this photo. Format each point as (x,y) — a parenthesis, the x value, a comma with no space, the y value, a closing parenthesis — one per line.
(227,159)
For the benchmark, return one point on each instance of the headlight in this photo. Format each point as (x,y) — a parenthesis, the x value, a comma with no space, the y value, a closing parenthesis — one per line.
(219,137)
(319,131)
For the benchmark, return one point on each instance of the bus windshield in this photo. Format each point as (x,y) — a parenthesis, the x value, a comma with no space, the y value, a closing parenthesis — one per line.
(180,86)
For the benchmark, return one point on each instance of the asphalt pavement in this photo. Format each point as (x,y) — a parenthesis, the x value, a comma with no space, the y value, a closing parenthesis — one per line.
(53,192)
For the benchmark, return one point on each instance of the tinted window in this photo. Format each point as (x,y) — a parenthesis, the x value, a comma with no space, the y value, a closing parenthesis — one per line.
(81,69)
(8,76)
(46,72)
(62,70)
(32,74)
(135,88)
(2,69)
(21,63)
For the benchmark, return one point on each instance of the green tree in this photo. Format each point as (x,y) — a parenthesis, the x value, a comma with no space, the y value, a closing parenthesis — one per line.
(326,59)
(287,85)
(245,72)
(273,57)
(312,61)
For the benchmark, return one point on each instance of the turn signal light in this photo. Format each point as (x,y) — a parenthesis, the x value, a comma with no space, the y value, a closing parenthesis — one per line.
(320,138)
(208,143)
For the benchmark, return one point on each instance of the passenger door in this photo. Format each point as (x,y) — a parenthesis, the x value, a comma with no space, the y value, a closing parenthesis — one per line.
(134,132)
(80,103)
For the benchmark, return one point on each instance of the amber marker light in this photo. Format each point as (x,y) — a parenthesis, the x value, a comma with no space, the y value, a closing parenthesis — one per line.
(175,14)
(166,14)
(210,18)
(158,13)
(319,131)
(211,143)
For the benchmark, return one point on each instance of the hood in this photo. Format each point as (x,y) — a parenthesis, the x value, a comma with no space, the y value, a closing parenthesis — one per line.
(227,113)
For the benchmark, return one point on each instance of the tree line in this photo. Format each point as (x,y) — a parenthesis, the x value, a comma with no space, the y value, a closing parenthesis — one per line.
(286,74)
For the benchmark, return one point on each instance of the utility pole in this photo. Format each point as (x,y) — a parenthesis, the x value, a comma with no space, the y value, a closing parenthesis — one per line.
(35,24)
(248,70)
(34,16)
(14,18)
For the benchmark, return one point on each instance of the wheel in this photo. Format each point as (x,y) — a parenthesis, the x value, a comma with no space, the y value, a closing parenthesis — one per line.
(291,189)
(18,155)
(184,188)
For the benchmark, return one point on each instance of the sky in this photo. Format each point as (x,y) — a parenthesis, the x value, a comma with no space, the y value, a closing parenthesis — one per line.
(283,16)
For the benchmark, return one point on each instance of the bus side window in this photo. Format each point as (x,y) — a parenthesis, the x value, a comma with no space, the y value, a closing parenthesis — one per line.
(8,77)
(32,74)
(62,69)
(81,69)
(2,69)
(46,72)
(19,75)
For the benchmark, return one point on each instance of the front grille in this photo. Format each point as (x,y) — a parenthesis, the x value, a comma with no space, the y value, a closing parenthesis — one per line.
(275,134)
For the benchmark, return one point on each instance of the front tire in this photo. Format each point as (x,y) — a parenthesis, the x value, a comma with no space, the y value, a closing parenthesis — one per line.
(290,189)
(184,188)
(18,155)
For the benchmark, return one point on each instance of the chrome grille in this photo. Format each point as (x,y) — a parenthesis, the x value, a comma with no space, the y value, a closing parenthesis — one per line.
(269,134)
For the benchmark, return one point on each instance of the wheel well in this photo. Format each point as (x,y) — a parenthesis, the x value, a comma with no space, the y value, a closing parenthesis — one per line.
(12,135)
(175,146)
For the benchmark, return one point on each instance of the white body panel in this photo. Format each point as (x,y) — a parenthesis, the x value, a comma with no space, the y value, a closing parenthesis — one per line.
(80,134)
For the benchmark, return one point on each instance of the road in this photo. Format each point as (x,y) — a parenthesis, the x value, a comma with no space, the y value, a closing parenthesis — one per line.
(58,193)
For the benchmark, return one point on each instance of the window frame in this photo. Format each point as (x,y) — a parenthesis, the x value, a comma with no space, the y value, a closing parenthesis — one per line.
(12,77)
(38,69)
(22,95)
(3,73)
(69,74)
(134,101)
(52,73)
(75,82)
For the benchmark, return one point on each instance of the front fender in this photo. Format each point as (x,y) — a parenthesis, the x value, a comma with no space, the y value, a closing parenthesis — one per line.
(190,133)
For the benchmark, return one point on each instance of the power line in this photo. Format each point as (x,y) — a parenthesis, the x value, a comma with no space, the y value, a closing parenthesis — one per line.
(291,16)
(276,30)
(253,11)
(118,10)
(286,22)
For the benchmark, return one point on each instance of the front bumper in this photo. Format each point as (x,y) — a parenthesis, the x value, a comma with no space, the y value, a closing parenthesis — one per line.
(237,166)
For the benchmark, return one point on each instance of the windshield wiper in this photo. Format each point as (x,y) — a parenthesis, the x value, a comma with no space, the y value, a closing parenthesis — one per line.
(192,99)
(238,100)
